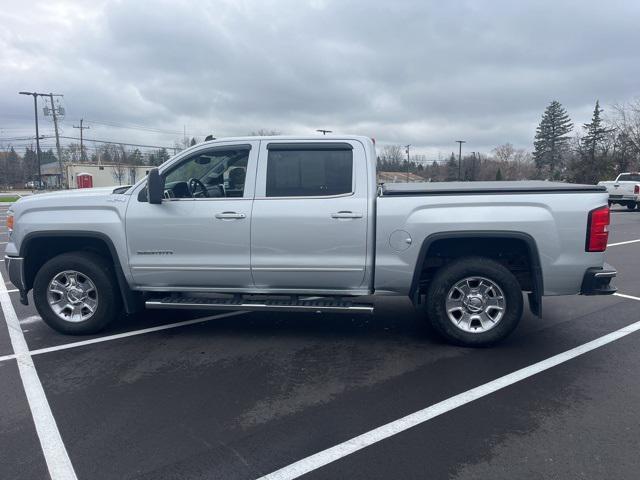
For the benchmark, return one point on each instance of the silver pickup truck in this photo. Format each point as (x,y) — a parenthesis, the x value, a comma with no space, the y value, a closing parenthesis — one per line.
(299,224)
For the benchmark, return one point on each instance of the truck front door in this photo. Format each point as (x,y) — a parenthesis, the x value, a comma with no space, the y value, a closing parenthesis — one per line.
(199,235)
(310,214)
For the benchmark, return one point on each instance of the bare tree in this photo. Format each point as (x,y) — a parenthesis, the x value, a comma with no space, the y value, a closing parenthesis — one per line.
(504,153)
(71,153)
(627,120)
(393,153)
(118,169)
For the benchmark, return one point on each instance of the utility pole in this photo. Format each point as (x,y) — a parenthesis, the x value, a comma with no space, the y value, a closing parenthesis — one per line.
(407,150)
(460,142)
(55,126)
(473,166)
(324,132)
(82,155)
(35,109)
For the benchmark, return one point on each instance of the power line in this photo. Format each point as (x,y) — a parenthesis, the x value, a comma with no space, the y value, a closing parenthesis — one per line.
(117,143)
(133,126)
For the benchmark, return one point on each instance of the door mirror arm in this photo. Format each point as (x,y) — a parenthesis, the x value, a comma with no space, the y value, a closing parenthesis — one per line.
(155,187)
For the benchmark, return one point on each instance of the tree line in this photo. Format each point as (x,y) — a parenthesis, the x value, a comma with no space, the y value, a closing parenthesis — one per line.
(598,150)
(17,168)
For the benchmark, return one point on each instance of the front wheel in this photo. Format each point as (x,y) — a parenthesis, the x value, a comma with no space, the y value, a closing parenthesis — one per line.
(474,302)
(76,293)
(631,206)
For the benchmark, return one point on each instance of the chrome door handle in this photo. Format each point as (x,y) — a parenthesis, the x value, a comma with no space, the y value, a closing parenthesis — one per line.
(230,216)
(346,214)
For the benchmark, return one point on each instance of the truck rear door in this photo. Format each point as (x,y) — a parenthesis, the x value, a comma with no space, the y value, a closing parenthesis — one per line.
(310,214)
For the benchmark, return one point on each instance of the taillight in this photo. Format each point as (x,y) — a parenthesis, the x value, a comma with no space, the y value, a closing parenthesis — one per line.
(636,189)
(10,222)
(598,230)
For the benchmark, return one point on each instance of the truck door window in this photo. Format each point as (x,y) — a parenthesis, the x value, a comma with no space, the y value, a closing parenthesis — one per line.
(213,173)
(309,172)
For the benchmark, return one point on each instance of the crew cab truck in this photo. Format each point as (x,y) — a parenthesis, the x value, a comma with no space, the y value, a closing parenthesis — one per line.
(624,190)
(299,224)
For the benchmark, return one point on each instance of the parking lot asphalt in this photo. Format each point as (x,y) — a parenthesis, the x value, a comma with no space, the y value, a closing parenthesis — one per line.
(244,395)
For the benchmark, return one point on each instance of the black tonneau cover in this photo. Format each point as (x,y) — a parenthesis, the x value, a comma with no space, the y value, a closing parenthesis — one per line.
(485,188)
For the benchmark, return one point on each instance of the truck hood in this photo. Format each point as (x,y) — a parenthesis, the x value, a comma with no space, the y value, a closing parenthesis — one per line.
(77,197)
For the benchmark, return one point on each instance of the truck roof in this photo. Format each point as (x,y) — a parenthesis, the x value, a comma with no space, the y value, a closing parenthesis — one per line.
(311,138)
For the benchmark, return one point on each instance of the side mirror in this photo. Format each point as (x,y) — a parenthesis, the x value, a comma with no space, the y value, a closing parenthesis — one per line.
(155,186)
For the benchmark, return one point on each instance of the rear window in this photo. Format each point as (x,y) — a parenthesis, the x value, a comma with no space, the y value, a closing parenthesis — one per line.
(629,177)
(309,172)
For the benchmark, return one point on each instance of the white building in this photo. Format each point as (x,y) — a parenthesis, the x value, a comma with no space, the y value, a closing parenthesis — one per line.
(105,175)
(100,175)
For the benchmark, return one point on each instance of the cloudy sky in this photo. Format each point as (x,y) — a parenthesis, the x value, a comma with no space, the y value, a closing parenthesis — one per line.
(420,72)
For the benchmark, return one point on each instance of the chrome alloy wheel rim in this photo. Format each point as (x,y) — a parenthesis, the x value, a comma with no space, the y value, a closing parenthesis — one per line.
(475,304)
(72,296)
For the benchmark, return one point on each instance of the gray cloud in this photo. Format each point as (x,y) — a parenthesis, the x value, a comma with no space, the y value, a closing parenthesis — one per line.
(418,72)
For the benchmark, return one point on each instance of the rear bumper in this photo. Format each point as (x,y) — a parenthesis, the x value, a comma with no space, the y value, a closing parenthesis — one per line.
(617,198)
(15,267)
(597,281)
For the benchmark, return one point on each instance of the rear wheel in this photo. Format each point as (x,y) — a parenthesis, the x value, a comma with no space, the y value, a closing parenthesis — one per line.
(76,293)
(474,301)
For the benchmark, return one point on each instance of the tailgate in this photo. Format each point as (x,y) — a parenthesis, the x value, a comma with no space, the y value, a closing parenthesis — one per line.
(619,190)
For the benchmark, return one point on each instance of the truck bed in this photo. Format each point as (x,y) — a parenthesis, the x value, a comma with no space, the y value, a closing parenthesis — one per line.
(486,188)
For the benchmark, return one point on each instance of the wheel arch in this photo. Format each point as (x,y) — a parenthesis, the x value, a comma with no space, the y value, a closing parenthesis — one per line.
(433,244)
(39,247)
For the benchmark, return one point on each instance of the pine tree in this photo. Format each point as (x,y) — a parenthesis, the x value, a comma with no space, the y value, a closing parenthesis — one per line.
(452,169)
(499,176)
(13,167)
(550,145)
(594,161)
(29,164)
(594,133)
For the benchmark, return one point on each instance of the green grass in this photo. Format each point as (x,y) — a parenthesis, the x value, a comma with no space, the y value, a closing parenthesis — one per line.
(9,199)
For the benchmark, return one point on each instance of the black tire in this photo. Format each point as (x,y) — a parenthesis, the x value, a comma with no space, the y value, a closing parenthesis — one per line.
(91,266)
(631,206)
(454,272)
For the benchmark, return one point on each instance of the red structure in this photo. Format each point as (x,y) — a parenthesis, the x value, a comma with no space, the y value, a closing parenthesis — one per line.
(84,180)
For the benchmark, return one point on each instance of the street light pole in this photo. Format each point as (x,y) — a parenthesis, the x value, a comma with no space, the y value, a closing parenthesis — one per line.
(35,108)
(460,142)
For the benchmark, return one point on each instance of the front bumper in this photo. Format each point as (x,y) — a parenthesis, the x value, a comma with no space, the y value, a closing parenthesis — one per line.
(597,281)
(15,267)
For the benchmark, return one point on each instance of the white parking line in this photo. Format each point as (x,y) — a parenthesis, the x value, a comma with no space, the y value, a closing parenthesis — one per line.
(55,453)
(66,346)
(107,338)
(630,297)
(623,243)
(337,452)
